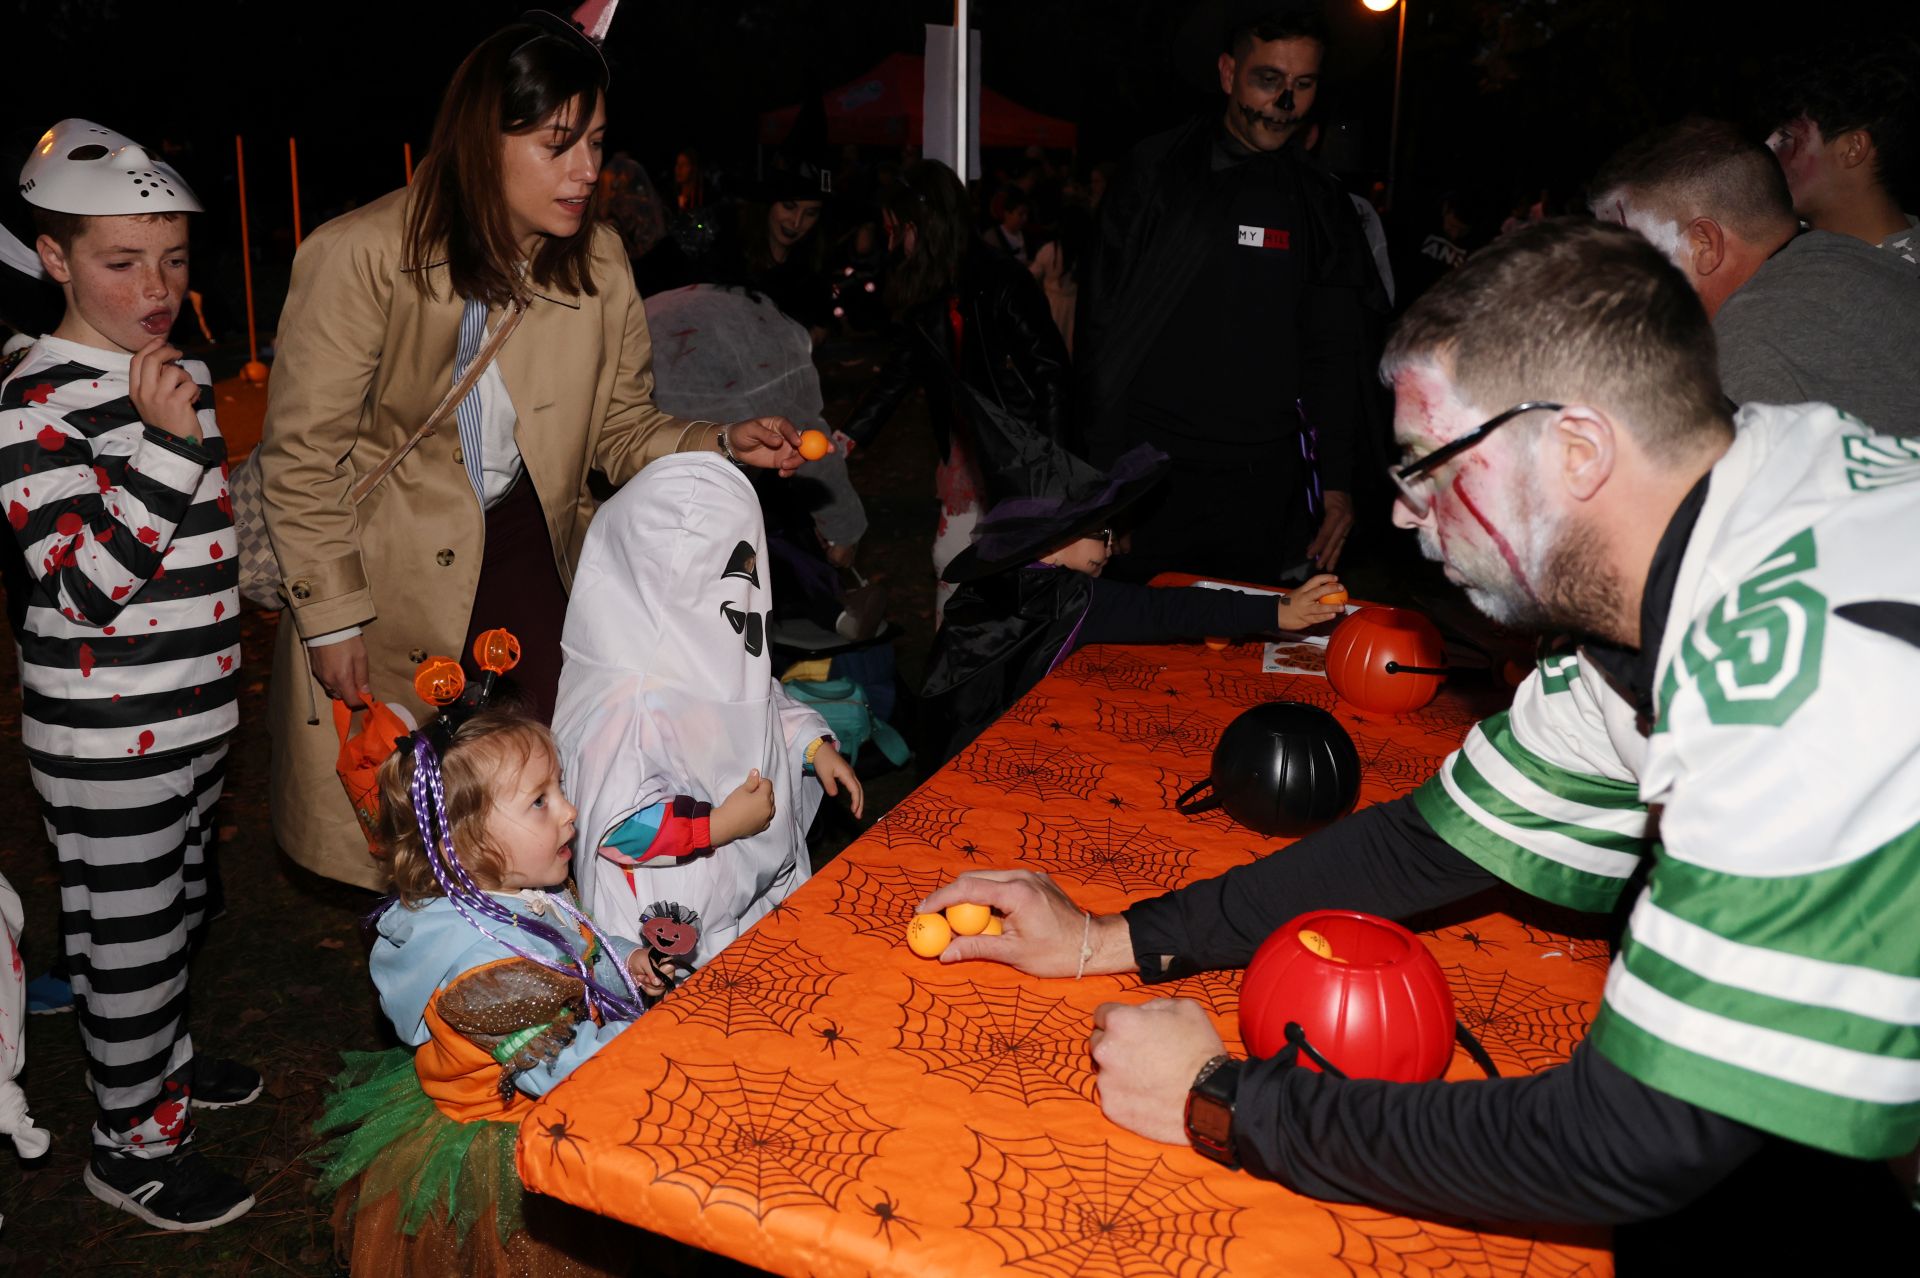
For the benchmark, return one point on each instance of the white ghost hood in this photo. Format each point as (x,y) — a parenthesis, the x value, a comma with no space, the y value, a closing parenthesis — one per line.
(668,689)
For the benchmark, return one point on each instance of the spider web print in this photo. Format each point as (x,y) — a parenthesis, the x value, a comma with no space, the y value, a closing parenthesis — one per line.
(1581,949)
(1374,1243)
(758,1140)
(1400,768)
(1112,667)
(1127,858)
(923,818)
(1219,991)
(757,983)
(1520,1024)
(1063,1210)
(1000,1039)
(1045,772)
(1164,727)
(1173,785)
(1027,709)
(1241,690)
(880,899)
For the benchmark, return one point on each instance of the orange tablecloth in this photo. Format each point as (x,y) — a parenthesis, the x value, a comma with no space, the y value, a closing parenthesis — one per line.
(819,1101)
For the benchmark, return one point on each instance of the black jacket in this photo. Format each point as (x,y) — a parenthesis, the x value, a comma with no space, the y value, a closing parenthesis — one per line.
(1011,385)
(1154,234)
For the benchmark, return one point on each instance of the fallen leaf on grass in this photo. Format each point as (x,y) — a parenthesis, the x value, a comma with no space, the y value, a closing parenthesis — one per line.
(332,943)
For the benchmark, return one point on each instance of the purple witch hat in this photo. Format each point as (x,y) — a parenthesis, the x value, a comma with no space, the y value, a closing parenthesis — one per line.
(1020,530)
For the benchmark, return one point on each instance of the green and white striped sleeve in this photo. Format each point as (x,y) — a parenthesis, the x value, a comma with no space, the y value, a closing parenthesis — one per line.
(1771,969)
(1538,796)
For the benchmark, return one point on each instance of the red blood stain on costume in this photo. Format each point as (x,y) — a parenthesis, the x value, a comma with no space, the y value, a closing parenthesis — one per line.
(226,664)
(145,743)
(219,610)
(214,551)
(172,1117)
(1500,543)
(121,592)
(51,439)
(68,524)
(86,660)
(148,536)
(38,394)
(101,478)
(17,515)
(225,502)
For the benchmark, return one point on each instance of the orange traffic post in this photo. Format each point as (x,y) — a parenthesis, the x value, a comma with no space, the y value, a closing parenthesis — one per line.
(293,167)
(406,150)
(255,371)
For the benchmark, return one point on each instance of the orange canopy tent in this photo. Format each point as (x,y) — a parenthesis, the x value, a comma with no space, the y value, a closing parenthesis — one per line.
(885,107)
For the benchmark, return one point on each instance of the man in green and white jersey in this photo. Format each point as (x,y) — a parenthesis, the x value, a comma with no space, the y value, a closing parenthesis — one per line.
(1725,749)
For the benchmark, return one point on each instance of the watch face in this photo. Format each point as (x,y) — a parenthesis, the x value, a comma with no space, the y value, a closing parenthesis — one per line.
(1210,1121)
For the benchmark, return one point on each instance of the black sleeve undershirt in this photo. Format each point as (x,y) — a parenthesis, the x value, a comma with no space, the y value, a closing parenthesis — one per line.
(1123,612)
(1584,1142)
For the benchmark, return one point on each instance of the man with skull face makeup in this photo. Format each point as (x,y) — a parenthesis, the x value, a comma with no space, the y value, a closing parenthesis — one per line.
(686,757)
(1221,315)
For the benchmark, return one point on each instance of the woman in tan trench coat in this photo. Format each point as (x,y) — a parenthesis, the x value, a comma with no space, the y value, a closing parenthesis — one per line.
(367,346)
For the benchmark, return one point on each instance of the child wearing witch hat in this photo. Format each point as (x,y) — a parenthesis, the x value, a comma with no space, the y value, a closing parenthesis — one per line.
(1031,594)
(122,591)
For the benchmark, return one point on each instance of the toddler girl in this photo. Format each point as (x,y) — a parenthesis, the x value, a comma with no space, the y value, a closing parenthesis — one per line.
(499,987)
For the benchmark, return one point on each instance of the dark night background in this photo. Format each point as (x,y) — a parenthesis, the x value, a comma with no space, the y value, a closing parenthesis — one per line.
(1505,96)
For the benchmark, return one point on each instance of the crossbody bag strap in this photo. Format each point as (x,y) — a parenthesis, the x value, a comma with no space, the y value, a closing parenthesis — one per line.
(452,400)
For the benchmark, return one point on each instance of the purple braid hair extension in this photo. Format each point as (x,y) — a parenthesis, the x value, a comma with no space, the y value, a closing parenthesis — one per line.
(467,897)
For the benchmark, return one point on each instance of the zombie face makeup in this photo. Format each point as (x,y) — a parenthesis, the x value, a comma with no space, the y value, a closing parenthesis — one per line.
(1663,232)
(1270,90)
(1807,161)
(1481,521)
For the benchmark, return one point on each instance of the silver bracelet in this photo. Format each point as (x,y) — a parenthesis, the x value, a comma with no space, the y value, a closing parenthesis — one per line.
(1086,945)
(726,445)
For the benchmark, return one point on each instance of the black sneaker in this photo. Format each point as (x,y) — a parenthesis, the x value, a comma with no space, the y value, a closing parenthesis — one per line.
(181,1191)
(218,1083)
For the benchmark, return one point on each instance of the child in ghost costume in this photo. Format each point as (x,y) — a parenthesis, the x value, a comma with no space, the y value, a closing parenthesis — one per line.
(686,757)
(30,1141)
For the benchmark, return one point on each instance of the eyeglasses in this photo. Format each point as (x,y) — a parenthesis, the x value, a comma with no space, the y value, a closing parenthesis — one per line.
(1106,535)
(1415,479)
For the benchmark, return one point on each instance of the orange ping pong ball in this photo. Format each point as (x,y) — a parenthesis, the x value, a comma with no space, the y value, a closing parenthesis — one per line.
(928,935)
(995,926)
(967,919)
(1333,599)
(1218,645)
(814,445)
(1316,942)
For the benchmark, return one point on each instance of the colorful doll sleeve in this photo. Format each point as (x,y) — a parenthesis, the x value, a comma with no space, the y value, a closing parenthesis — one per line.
(676,827)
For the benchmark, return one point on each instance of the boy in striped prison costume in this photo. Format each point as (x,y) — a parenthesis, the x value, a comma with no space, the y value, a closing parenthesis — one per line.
(123,597)
(1724,750)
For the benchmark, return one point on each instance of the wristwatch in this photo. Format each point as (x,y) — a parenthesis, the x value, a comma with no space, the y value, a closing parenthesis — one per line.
(1210,1109)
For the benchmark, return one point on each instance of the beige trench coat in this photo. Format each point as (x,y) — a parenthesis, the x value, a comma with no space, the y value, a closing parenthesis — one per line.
(363,358)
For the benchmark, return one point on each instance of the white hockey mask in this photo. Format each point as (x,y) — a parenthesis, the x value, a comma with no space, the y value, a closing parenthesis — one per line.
(79,167)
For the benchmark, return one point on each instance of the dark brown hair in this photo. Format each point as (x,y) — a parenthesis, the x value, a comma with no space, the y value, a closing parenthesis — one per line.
(1701,168)
(64,228)
(930,198)
(479,752)
(1581,312)
(512,83)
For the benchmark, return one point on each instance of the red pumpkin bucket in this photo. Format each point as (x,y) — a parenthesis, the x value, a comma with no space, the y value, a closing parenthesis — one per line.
(1386,660)
(1364,992)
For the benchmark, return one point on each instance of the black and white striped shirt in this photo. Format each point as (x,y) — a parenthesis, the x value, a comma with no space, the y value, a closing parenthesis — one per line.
(126,606)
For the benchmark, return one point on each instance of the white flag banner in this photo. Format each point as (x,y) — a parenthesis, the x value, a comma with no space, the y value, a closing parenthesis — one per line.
(938,136)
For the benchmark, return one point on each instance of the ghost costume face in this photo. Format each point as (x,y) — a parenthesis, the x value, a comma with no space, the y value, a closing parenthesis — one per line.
(668,689)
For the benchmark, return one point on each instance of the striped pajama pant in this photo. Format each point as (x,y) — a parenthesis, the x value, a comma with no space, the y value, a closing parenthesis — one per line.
(132,840)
